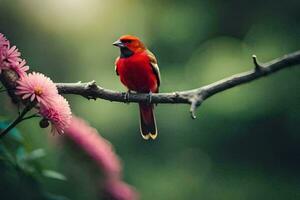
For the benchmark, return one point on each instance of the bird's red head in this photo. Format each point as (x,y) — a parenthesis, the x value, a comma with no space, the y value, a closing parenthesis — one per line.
(130,42)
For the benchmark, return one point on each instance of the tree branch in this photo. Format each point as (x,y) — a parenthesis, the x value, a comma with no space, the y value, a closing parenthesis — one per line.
(194,97)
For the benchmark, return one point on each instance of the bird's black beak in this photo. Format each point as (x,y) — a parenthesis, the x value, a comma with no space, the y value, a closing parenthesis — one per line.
(118,43)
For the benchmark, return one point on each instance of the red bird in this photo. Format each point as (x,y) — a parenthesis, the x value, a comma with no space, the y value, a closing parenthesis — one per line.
(138,71)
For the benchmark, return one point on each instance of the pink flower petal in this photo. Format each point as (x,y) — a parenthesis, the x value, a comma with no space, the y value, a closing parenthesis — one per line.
(36,86)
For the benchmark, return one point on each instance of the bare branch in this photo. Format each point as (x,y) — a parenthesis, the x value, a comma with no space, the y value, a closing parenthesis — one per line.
(195,97)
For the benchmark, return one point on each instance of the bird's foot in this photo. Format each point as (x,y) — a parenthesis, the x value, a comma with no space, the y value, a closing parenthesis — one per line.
(150,97)
(126,96)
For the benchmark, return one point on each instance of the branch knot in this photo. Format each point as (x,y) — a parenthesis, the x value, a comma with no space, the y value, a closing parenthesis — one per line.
(92,85)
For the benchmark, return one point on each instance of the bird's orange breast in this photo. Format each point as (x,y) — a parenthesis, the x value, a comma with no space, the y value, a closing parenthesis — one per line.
(136,73)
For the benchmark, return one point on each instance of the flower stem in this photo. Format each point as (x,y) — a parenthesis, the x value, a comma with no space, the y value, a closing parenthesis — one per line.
(31,116)
(19,119)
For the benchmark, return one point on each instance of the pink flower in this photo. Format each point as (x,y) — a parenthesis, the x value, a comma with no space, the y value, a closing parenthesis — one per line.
(102,153)
(58,113)
(36,86)
(10,58)
(52,106)
(20,68)
(12,55)
(99,149)
(115,189)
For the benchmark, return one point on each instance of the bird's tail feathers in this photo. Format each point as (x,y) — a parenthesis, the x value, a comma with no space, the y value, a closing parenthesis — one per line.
(147,121)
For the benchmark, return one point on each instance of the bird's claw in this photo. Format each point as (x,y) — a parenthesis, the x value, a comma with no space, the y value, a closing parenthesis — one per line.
(126,96)
(150,97)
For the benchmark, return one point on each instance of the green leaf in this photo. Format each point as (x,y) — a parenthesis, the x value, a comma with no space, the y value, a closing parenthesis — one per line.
(54,175)
(35,154)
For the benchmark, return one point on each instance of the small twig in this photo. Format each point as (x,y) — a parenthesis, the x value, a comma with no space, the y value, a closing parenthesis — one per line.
(195,102)
(18,119)
(256,63)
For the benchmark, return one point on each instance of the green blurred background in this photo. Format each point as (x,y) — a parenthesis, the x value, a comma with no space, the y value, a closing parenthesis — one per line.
(245,142)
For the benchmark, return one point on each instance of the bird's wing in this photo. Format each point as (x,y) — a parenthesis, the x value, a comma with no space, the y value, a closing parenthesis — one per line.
(154,65)
(116,69)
